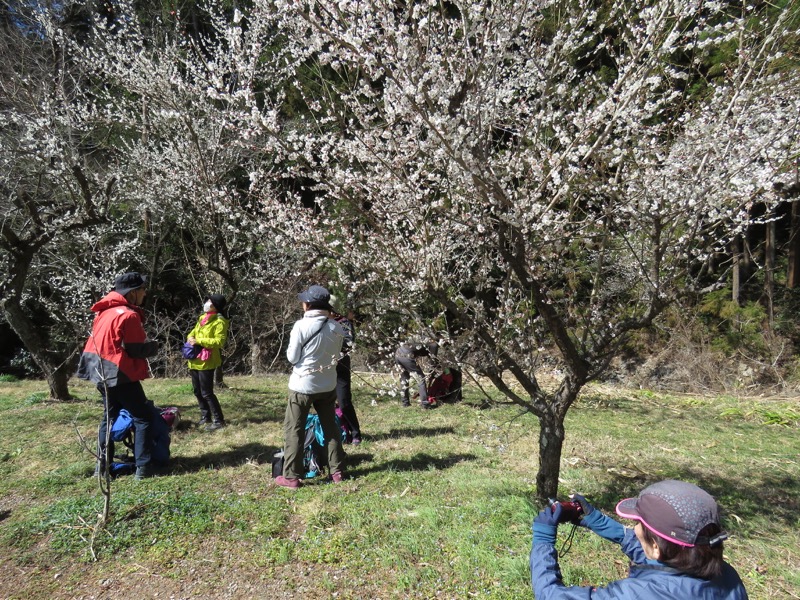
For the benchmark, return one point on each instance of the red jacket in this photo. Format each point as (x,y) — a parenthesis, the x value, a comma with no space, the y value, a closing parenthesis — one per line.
(117,349)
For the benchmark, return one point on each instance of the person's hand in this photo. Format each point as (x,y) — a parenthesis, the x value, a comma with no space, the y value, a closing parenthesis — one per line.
(585,506)
(191,340)
(545,525)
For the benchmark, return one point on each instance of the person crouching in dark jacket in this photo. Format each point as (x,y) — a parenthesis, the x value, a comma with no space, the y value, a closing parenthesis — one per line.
(406,358)
(675,548)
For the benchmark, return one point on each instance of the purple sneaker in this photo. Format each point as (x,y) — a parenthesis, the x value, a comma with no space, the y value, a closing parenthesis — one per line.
(292,484)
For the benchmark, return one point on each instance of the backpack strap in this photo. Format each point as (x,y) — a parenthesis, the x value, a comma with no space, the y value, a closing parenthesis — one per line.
(311,337)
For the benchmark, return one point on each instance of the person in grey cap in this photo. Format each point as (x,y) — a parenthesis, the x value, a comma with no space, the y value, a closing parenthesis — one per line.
(675,548)
(315,345)
(115,359)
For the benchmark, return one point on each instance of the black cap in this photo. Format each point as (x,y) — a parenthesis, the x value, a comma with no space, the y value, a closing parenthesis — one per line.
(315,293)
(219,301)
(128,282)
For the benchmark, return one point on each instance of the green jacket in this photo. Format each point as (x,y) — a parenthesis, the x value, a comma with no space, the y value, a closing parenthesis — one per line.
(211,336)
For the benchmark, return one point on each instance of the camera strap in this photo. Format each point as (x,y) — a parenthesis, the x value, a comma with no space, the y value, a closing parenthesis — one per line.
(566,545)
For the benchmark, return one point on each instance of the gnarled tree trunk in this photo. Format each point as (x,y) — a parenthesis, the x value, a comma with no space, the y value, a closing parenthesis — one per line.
(55,365)
(551,442)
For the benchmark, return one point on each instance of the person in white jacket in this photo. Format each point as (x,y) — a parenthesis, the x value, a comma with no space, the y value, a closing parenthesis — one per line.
(315,346)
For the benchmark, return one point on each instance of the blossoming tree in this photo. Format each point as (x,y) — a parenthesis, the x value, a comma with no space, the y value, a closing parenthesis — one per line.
(547,175)
(540,179)
(59,237)
(206,150)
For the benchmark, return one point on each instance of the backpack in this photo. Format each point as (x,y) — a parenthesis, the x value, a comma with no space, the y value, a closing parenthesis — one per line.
(162,422)
(345,426)
(315,453)
(190,351)
(445,387)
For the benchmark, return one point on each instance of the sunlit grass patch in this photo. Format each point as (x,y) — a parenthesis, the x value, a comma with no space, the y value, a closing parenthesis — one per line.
(439,503)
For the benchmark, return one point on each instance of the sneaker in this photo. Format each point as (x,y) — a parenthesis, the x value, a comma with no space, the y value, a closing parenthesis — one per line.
(202,421)
(427,405)
(356,440)
(144,472)
(214,426)
(406,404)
(292,484)
(337,477)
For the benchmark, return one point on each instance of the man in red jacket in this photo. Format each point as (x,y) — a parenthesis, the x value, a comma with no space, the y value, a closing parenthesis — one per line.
(115,359)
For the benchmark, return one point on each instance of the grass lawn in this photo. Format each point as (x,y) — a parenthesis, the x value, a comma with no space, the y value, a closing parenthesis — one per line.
(439,503)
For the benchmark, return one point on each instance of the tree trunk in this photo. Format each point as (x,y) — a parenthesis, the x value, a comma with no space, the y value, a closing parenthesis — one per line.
(793,275)
(551,441)
(219,377)
(769,270)
(57,381)
(55,365)
(256,368)
(736,282)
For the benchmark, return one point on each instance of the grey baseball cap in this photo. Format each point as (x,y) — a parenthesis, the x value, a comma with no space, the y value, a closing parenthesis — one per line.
(675,510)
(315,293)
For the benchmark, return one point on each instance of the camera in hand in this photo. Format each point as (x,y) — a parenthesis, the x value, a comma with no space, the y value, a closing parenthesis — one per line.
(571,512)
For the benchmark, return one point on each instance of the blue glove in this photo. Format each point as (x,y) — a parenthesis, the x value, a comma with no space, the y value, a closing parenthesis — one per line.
(585,506)
(545,525)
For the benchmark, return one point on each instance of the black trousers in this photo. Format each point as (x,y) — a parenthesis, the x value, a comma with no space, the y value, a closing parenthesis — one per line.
(344,394)
(203,387)
(129,396)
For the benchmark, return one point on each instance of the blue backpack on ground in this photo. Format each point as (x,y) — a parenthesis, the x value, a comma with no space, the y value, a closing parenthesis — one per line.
(122,430)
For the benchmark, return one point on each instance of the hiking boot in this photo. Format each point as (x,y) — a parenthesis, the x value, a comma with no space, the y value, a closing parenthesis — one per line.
(215,425)
(144,472)
(337,477)
(292,484)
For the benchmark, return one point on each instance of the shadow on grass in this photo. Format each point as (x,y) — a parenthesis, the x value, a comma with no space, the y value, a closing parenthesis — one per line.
(411,432)
(235,457)
(257,406)
(752,494)
(418,462)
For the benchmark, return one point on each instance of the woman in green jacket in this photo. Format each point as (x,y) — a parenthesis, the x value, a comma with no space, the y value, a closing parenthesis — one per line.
(210,333)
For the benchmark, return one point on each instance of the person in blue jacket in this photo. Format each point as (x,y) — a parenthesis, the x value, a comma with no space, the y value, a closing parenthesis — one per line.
(675,548)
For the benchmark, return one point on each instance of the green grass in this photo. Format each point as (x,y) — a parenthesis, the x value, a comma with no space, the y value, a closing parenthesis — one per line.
(439,505)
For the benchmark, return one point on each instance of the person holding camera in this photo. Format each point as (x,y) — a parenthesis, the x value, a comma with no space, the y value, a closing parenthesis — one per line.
(675,547)
(115,360)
